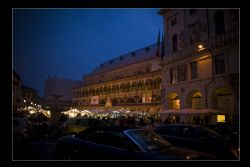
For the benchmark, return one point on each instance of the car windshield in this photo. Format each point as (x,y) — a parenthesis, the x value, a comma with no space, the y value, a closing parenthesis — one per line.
(149,140)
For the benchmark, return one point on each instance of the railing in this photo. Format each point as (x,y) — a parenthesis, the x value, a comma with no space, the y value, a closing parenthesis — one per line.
(130,93)
(211,43)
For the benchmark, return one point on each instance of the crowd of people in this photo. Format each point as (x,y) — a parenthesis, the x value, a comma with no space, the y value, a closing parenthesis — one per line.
(41,124)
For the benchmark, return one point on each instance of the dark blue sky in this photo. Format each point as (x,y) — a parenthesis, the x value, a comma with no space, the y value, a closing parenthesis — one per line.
(71,42)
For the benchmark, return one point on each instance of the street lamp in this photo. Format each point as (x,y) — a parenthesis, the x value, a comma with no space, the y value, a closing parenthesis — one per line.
(202,48)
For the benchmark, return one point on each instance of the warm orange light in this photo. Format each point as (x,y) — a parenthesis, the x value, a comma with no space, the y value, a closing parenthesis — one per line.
(220,118)
(176,104)
(200,47)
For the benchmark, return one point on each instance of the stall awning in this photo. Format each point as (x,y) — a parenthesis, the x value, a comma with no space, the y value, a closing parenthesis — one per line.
(205,111)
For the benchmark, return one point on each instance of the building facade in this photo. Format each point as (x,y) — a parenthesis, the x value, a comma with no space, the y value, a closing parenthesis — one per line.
(29,95)
(58,91)
(131,81)
(201,65)
(16,92)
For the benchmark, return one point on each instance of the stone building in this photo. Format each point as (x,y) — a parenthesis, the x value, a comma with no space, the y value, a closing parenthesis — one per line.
(30,95)
(201,63)
(58,91)
(16,90)
(130,81)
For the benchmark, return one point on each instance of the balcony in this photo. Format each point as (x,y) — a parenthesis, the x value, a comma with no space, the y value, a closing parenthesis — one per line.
(211,43)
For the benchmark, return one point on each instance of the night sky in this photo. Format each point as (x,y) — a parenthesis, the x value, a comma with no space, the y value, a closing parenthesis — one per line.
(70,42)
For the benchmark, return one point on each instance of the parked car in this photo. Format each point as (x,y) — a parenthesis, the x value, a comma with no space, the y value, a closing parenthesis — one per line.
(22,130)
(228,131)
(197,138)
(75,125)
(121,143)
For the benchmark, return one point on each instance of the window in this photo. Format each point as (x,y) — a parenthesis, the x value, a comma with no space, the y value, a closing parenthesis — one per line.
(219,22)
(172,75)
(173,22)
(182,73)
(176,103)
(187,132)
(170,130)
(192,11)
(133,54)
(149,141)
(175,43)
(220,118)
(219,64)
(193,69)
(147,49)
(110,138)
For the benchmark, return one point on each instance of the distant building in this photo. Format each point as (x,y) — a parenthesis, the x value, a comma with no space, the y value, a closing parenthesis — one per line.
(30,95)
(16,90)
(59,89)
(201,64)
(131,81)
(23,95)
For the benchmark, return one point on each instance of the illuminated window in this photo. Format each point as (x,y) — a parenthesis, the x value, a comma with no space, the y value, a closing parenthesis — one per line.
(176,104)
(220,118)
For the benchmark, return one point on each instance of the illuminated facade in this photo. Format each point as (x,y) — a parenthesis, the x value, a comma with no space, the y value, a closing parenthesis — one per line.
(131,81)
(201,65)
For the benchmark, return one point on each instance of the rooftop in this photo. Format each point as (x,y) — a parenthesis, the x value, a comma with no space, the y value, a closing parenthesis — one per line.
(123,60)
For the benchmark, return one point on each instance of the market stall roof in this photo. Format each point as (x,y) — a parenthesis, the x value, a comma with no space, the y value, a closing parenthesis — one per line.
(97,110)
(73,110)
(211,110)
(86,111)
(192,111)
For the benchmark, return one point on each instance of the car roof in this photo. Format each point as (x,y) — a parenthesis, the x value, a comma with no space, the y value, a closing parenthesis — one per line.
(112,128)
(104,128)
(178,125)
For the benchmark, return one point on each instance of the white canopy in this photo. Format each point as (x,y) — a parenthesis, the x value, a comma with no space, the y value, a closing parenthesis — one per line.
(97,110)
(192,111)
